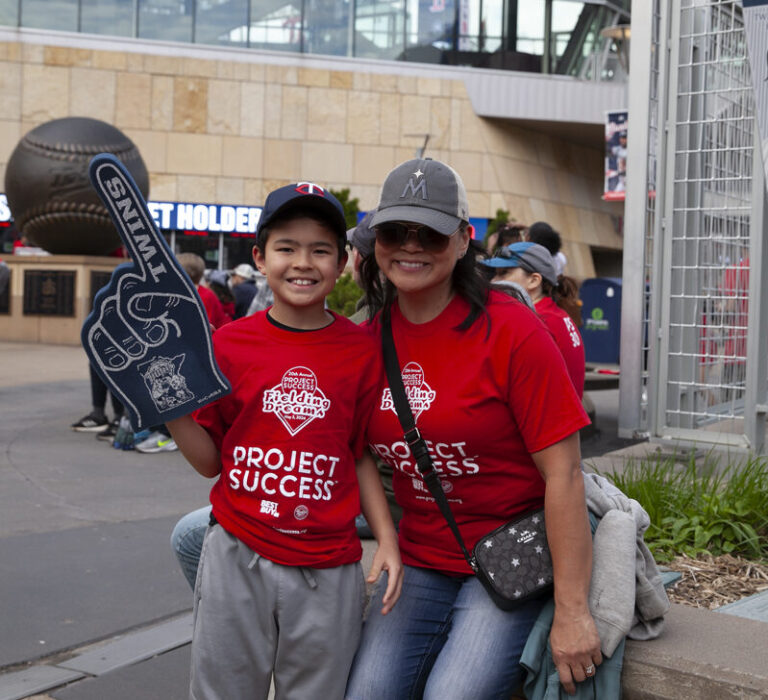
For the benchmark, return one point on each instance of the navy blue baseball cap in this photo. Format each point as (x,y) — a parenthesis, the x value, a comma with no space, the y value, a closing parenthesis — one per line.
(307,196)
(531,257)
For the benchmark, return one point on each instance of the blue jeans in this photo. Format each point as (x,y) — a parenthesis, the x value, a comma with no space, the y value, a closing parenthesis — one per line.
(443,639)
(187,541)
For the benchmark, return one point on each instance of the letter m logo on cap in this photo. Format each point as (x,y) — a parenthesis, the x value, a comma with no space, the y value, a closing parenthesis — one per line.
(415,189)
(310,188)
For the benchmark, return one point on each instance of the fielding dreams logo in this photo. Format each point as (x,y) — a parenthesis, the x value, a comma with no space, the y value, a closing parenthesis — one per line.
(297,400)
(420,394)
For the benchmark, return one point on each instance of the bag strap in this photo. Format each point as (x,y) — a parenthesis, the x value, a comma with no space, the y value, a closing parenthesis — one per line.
(413,437)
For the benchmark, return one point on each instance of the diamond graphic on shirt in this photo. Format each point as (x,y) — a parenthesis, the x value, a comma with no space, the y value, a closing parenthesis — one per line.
(420,394)
(297,400)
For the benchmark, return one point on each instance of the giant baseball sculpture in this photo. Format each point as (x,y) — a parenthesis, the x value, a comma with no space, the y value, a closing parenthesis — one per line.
(148,335)
(48,190)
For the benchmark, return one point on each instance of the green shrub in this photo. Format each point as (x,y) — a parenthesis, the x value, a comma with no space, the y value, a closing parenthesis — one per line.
(502,216)
(344,296)
(696,508)
(351,205)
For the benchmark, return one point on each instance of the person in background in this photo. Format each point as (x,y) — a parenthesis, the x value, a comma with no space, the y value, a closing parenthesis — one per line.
(508,232)
(218,283)
(531,266)
(243,285)
(543,234)
(194,266)
(263,298)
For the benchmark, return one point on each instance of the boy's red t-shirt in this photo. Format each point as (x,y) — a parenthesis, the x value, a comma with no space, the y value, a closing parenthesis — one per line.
(483,401)
(567,338)
(289,435)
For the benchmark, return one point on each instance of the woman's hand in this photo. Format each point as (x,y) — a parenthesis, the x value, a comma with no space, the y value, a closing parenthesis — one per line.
(575,647)
(387,558)
(574,640)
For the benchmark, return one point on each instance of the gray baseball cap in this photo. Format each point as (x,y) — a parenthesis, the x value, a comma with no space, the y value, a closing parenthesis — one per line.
(532,257)
(362,236)
(423,191)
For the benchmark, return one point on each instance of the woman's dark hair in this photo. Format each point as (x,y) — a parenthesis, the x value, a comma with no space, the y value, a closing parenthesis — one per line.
(302,212)
(467,281)
(565,295)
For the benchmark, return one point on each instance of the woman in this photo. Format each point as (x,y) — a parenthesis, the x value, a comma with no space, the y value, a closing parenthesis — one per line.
(555,298)
(492,398)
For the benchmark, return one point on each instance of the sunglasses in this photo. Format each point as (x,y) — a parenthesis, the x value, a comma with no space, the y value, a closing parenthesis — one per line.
(394,234)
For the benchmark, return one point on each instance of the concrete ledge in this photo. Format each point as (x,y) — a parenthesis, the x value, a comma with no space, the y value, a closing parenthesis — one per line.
(700,654)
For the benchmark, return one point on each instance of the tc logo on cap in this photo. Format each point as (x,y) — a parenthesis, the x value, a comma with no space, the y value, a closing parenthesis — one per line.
(310,188)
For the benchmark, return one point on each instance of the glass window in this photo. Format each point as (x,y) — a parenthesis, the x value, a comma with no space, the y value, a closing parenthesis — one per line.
(480,25)
(49,14)
(530,27)
(222,22)
(379,28)
(168,20)
(491,25)
(9,12)
(328,29)
(432,23)
(114,17)
(276,27)
(565,15)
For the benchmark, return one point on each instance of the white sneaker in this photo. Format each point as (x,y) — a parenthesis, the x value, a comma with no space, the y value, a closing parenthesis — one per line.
(157,442)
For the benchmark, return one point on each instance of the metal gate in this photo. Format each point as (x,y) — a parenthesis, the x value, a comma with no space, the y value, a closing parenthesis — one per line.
(693,356)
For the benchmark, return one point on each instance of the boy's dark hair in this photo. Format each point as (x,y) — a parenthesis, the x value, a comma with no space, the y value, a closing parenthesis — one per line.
(468,282)
(300,213)
(543,234)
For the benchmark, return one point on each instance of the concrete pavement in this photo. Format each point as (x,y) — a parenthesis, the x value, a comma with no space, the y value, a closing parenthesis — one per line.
(84,534)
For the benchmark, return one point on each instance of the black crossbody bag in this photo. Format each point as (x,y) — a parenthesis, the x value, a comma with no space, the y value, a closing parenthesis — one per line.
(513,561)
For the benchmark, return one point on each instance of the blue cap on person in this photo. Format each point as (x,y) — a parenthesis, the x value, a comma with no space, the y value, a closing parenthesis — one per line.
(305,195)
(531,257)
(423,191)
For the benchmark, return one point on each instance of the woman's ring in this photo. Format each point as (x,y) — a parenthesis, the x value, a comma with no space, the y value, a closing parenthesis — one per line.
(589,670)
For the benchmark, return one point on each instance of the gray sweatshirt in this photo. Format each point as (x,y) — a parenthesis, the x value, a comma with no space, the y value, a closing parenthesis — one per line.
(626,594)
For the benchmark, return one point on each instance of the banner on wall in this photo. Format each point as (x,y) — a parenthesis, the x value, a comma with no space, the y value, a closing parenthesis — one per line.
(615,156)
(756,29)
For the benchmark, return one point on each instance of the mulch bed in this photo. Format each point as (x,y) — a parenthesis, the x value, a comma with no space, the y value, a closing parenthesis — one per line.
(709,582)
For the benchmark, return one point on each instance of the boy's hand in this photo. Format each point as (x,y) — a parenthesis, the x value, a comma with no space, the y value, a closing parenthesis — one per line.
(387,558)
(147,336)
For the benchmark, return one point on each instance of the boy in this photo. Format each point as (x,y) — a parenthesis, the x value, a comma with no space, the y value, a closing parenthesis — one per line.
(279,589)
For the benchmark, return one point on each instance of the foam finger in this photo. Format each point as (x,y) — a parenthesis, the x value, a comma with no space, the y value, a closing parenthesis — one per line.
(108,353)
(130,214)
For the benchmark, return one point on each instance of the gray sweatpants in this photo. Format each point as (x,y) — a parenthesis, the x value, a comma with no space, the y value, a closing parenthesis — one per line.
(253,617)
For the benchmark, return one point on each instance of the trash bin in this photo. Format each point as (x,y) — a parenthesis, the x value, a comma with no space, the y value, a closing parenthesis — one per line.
(601,314)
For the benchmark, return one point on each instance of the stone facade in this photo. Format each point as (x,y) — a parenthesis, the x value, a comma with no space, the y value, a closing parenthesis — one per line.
(228,131)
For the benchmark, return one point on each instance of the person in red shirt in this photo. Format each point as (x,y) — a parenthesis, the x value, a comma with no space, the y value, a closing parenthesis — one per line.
(491,396)
(532,267)
(279,590)
(194,266)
